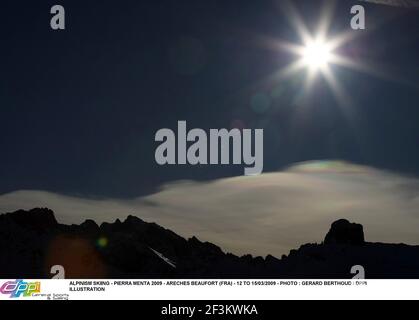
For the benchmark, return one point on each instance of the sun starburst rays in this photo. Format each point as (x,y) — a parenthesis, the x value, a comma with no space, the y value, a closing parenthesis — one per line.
(317,53)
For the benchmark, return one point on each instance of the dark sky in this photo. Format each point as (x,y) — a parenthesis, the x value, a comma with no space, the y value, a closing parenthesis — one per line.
(80,107)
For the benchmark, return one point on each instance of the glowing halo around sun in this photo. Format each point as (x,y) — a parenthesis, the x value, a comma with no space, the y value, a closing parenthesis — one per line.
(316,55)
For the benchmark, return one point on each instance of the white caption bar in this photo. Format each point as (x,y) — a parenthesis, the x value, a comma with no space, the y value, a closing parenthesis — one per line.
(208,289)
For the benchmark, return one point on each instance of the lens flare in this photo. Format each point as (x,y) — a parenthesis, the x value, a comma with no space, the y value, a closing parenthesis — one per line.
(102,242)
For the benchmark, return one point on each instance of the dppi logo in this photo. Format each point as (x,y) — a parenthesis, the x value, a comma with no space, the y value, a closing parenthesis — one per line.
(20,287)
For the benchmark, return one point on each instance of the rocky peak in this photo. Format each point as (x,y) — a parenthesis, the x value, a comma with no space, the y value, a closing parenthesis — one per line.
(344,232)
(39,218)
(89,226)
(133,220)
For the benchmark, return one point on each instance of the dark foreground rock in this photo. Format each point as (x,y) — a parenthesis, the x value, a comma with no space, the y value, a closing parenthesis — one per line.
(31,242)
(344,232)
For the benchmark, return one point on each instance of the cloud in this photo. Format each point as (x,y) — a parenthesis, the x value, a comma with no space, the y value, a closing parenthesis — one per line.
(267,214)
(396,3)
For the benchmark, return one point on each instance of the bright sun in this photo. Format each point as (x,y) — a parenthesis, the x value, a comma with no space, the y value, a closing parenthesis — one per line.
(316,54)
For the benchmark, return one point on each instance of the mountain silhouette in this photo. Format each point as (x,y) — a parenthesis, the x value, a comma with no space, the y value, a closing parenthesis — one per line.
(31,242)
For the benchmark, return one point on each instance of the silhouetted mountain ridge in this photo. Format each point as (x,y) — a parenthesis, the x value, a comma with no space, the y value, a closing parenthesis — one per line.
(31,242)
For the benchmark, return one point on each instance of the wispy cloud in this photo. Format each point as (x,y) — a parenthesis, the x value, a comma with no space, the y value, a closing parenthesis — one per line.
(271,213)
